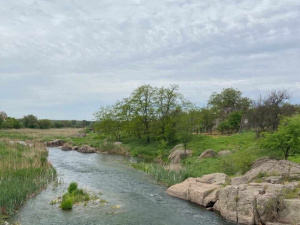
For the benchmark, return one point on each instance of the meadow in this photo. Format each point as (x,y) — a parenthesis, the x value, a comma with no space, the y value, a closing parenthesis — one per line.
(38,134)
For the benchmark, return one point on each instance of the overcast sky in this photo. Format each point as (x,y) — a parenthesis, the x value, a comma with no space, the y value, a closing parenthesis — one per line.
(63,59)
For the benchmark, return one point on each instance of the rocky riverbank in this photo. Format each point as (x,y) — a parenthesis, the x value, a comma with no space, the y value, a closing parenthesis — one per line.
(114,148)
(268,193)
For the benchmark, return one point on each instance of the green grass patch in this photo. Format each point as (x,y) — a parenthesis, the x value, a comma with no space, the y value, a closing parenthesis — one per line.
(161,173)
(24,171)
(73,196)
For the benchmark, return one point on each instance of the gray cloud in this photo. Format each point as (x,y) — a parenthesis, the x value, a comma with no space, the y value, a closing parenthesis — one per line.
(63,59)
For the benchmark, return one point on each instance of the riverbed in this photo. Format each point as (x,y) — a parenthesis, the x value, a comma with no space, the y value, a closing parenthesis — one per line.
(133,197)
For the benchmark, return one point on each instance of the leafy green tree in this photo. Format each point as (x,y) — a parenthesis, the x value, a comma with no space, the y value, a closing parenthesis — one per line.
(266,113)
(228,101)
(207,119)
(30,121)
(142,101)
(58,124)
(109,122)
(11,123)
(185,130)
(3,116)
(45,124)
(168,103)
(286,139)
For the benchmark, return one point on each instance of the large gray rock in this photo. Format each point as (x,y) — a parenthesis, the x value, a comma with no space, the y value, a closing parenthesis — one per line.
(178,153)
(207,154)
(87,149)
(254,203)
(55,143)
(268,167)
(215,178)
(66,147)
(290,212)
(202,191)
(223,153)
(195,191)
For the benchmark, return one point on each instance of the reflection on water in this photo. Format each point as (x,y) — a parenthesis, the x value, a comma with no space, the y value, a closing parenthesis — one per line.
(142,200)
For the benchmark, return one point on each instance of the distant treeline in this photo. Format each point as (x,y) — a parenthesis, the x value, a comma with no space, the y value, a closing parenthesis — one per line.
(151,113)
(31,121)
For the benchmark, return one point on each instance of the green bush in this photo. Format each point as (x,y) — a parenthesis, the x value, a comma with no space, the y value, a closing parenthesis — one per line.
(72,187)
(67,204)
(74,195)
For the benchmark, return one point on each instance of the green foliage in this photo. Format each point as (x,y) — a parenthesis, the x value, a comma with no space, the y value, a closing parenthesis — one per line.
(185,130)
(161,174)
(73,196)
(286,139)
(229,100)
(22,174)
(231,124)
(30,121)
(11,123)
(67,204)
(45,124)
(149,114)
(73,186)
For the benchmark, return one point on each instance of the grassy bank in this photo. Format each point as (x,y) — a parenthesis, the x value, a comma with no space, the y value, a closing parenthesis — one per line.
(24,171)
(244,147)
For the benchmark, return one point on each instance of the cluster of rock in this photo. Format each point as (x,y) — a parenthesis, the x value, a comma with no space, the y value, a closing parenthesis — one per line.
(249,199)
(83,149)
(55,143)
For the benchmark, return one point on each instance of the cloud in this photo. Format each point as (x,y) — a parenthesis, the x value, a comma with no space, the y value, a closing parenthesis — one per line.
(63,59)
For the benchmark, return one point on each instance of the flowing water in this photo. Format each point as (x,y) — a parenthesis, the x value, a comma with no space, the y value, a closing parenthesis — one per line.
(140,200)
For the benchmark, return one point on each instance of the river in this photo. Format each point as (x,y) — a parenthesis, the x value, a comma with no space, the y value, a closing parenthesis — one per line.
(140,199)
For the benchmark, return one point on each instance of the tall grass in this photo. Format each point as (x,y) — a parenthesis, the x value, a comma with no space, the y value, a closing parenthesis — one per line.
(34,134)
(24,171)
(162,173)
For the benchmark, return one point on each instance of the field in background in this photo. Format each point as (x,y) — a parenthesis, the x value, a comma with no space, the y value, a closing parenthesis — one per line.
(39,134)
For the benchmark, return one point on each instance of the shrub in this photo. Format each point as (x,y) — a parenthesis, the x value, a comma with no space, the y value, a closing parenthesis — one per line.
(67,204)
(72,187)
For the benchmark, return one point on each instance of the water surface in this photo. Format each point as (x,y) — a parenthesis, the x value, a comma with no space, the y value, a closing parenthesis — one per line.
(141,199)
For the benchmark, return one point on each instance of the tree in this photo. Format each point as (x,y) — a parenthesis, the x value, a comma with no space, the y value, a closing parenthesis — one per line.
(168,103)
(184,130)
(142,101)
(11,123)
(58,124)
(3,115)
(45,124)
(109,122)
(30,121)
(286,139)
(232,123)
(208,119)
(266,113)
(228,101)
